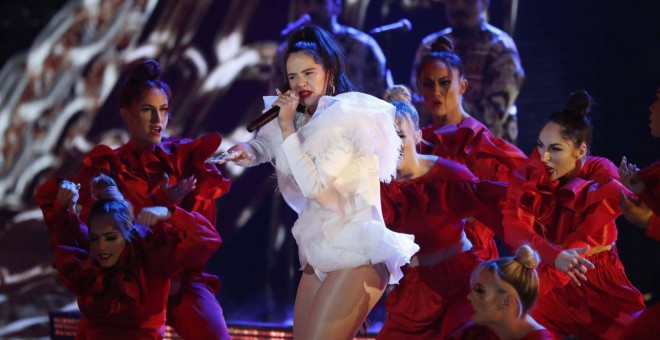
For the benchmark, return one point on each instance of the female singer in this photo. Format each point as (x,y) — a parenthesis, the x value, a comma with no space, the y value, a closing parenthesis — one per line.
(330,159)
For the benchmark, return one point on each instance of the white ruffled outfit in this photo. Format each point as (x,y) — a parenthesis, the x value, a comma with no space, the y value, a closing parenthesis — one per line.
(329,173)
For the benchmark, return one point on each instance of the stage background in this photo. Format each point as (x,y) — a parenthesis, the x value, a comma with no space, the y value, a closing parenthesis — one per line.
(61,62)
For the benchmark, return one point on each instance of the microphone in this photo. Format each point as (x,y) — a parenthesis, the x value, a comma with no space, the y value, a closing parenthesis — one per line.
(302,21)
(402,25)
(267,116)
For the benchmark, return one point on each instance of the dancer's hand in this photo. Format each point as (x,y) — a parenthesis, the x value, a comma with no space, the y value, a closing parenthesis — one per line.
(637,213)
(572,263)
(67,193)
(237,153)
(152,215)
(179,190)
(629,178)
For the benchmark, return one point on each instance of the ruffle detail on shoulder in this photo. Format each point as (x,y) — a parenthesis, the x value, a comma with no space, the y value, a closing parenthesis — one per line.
(188,156)
(578,202)
(46,193)
(584,191)
(578,194)
(470,137)
(550,278)
(598,169)
(651,175)
(361,121)
(104,159)
(415,196)
(536,190)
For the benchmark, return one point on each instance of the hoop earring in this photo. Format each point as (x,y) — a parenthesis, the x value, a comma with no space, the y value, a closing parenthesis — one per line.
(332,85)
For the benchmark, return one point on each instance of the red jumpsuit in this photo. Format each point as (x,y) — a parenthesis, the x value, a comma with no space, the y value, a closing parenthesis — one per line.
(128,300)
(647,325)
(431,301)
(193,310)
(487,157)
(580,212)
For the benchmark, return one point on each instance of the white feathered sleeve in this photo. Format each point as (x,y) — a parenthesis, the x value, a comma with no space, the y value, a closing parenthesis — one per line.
(359,121)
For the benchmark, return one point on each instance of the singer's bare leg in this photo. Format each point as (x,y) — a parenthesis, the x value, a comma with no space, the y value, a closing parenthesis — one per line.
(336,307)
(307,288)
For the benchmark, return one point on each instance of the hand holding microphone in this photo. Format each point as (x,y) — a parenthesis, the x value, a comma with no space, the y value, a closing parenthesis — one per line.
(288,103)
(284,100)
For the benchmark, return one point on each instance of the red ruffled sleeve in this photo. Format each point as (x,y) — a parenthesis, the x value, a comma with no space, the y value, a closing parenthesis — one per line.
(436,191)
(651,178)
(187,240)
(187,157)
(578,213)
(653,229)
(101,160)
(525,198)
(81,276)
(69,241)
(598,169)
(472,144)
(140,173)
(62,223)
(595,208)
(593,199)
(448,188)
(75,271)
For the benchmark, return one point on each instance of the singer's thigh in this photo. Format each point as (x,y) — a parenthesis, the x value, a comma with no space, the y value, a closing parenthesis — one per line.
(307,288)
(344,300)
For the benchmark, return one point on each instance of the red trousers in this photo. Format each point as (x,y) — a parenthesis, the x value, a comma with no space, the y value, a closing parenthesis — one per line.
(646,326)
(197,315)
(602,308)
(430,302)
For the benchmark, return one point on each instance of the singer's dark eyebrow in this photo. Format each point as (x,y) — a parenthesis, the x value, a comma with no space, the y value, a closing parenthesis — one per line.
(303,71)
